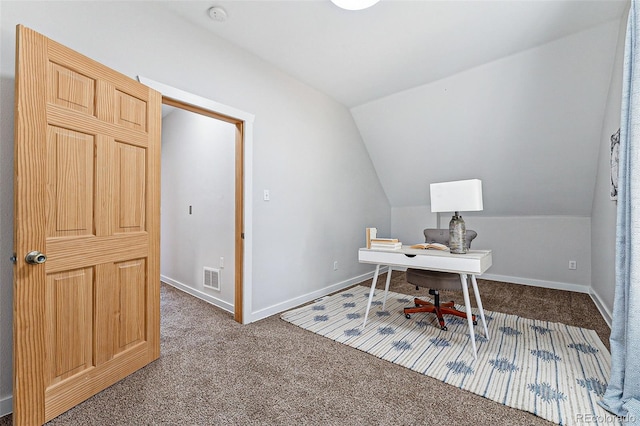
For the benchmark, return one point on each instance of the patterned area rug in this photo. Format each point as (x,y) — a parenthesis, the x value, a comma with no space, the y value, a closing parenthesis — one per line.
(555,371)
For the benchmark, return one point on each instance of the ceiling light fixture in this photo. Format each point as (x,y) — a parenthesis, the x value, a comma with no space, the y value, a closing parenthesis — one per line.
(354,4)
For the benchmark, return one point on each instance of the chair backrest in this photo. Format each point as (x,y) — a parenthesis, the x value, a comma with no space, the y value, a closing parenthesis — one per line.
(441,236)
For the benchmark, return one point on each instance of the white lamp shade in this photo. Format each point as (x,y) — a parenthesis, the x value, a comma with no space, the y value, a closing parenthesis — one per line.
(457,196)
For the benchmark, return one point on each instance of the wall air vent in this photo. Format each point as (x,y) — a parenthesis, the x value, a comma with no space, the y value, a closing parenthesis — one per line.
(211,278)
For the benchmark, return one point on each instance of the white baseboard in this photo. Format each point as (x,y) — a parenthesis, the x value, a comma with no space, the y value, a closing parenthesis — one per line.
(308,297)
(6,405)
(604,311)
(199,294)
(556,285)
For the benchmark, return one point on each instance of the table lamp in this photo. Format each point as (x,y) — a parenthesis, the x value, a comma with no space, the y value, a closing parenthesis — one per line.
(457,196)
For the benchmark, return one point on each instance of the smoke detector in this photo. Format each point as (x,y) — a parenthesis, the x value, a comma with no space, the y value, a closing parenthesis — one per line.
(217,13)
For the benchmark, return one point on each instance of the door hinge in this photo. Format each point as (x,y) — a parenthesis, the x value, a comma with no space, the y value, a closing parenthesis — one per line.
(242,235)
(14,258)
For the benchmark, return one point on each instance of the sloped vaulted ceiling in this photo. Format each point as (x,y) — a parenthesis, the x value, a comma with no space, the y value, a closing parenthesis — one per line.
(512,92)
(529,125)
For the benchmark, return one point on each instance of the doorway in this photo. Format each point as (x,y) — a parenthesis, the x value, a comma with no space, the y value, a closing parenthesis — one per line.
(242,123)
(198,206)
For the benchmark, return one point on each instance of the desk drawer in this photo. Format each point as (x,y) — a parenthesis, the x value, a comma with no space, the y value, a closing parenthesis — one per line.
(475,262)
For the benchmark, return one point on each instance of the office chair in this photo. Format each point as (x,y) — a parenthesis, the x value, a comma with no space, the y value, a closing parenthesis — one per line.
(437,281)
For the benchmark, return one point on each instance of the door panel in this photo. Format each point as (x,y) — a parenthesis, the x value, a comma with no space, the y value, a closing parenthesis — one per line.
(70,89)
(70,166)
(69,316)
(130,111)
(131,288)
(129,168)
(87,153)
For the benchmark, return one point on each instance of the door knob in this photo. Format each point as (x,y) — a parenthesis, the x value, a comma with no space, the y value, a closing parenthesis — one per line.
(35,257)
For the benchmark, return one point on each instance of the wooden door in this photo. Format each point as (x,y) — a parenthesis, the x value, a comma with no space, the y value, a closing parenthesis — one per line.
(87,158)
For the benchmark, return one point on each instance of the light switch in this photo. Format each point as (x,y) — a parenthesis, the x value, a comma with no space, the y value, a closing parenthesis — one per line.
(265,195)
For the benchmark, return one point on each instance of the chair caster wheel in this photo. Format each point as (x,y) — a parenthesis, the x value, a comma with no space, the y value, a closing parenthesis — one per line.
(475,323)
(407,316)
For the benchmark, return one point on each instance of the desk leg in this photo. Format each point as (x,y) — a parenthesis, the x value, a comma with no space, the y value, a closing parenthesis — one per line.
(467,303)
(373,287)
(479,302)
(386,287)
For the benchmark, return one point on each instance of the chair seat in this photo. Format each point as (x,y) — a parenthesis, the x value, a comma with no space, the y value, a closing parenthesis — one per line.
(435,280)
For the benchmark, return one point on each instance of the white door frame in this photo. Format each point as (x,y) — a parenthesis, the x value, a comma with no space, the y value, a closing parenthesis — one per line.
(247,119)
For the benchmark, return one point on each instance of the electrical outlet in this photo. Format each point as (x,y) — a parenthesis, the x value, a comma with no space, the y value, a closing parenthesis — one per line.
(335,265)
(573,265)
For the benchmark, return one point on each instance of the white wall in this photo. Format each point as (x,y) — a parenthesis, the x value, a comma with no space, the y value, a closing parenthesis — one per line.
(532,250)
(198,171)
(536,250)
(528,125)
(408,223)
(603,216)
(307,149)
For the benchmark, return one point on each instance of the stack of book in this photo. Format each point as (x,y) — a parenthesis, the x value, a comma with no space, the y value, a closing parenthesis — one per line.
(385,244)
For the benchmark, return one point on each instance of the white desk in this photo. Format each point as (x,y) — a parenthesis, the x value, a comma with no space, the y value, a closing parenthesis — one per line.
(474,262)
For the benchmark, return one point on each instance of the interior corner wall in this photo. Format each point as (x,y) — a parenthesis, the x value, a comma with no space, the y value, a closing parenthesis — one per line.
(198,205)
(306,147)
(603,215)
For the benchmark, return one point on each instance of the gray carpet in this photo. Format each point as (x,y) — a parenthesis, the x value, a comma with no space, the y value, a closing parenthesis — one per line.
(214,371)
